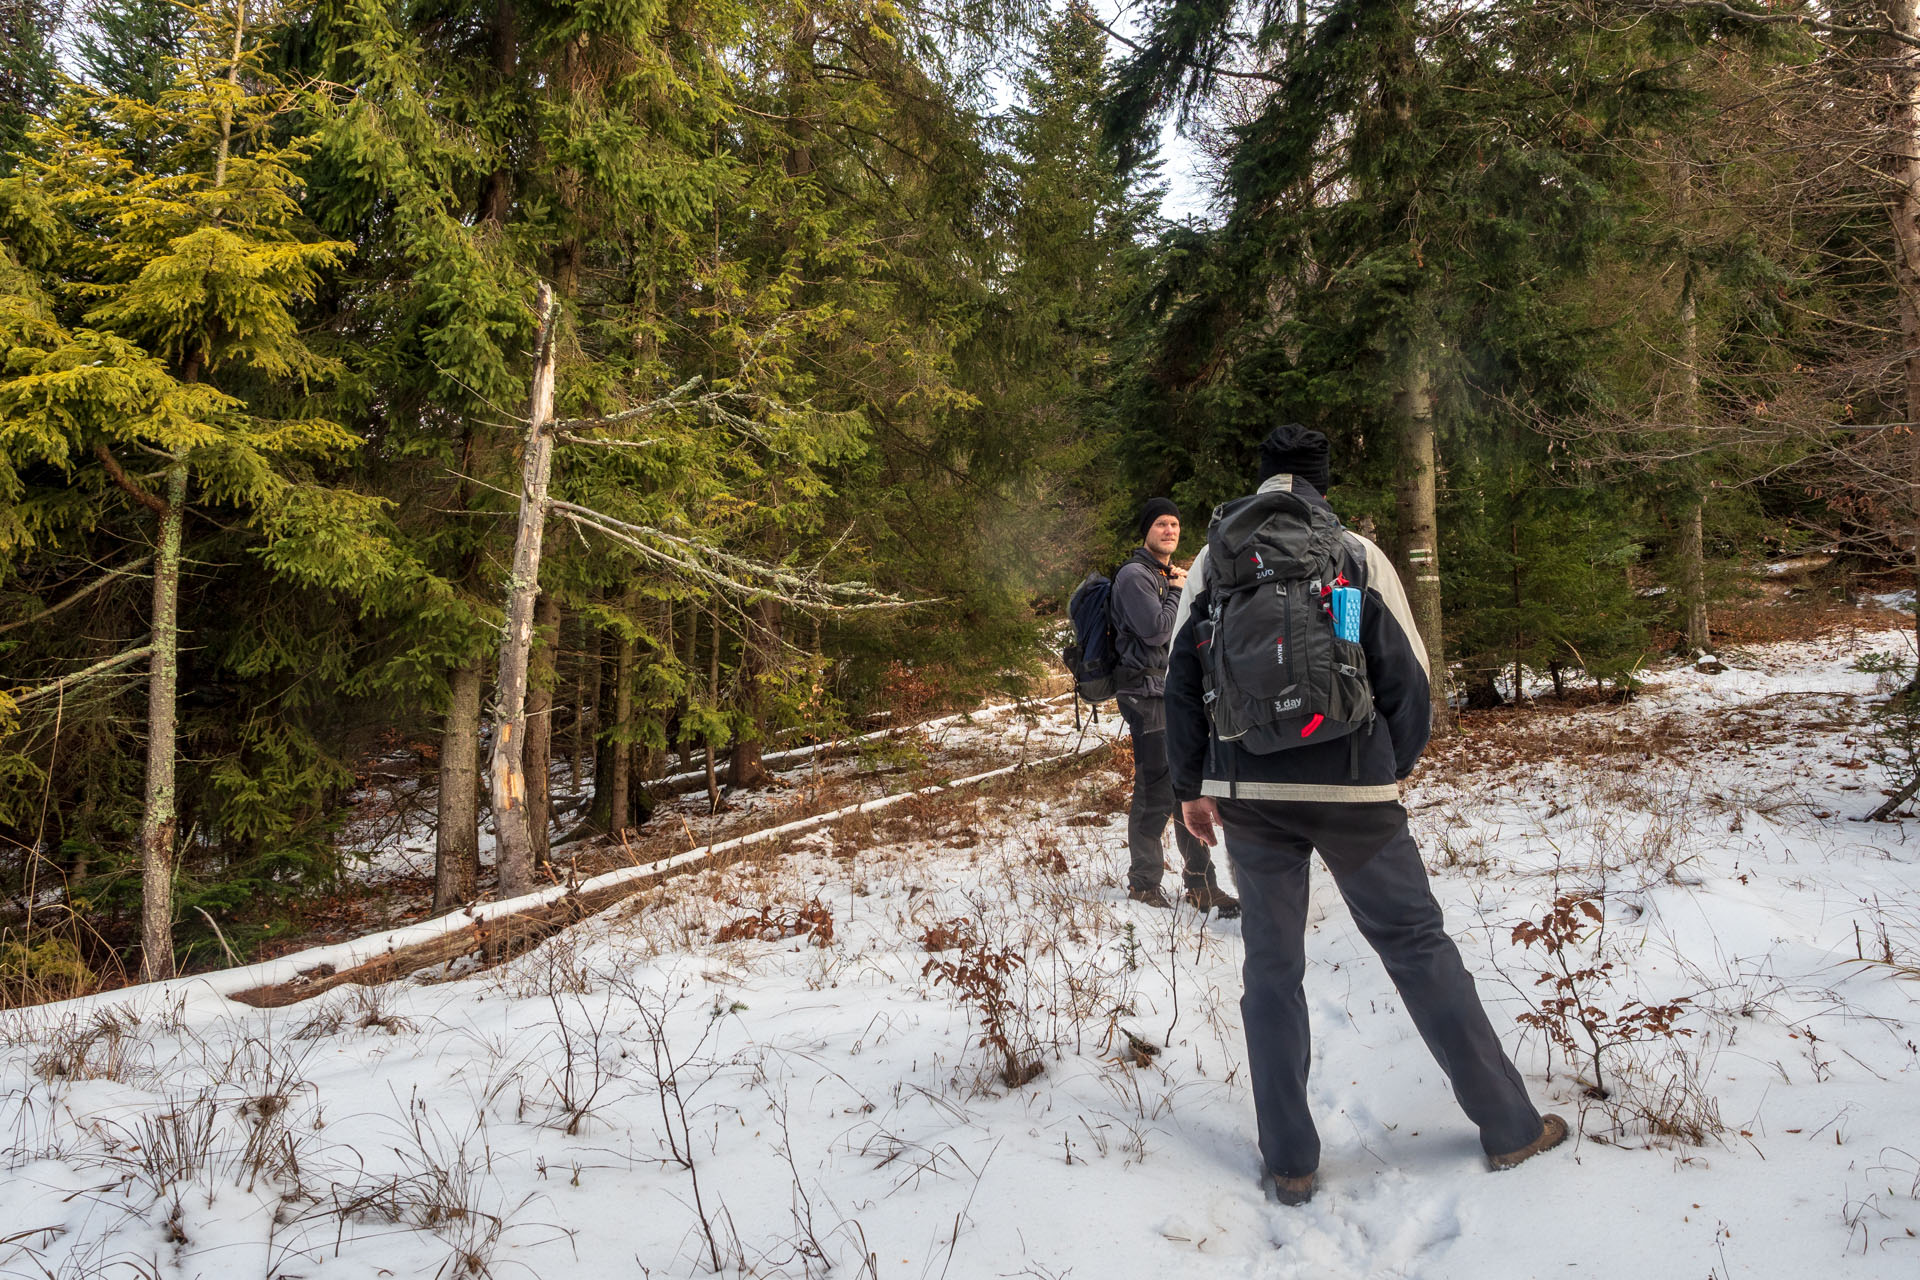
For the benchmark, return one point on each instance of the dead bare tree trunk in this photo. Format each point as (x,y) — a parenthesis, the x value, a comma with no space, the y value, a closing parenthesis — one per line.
(1419,519)
(513,854)
(456,848)
(159,816)
(539,749)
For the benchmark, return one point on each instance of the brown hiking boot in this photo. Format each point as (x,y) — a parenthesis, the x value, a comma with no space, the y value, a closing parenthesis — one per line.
(1553,1132)
(1211,897)
(1152,896)
(1293,1191)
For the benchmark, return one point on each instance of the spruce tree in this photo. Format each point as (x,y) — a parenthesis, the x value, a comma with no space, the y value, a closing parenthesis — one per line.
(1407,207)
(28,71)
(1076,253)
(152,341)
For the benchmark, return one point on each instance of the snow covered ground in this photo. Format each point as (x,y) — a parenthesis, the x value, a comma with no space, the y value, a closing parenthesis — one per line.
(673,1088)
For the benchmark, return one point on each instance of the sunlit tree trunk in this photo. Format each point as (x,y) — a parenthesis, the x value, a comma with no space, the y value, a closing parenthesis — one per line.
(456,850)
(1419,521)
(160,814)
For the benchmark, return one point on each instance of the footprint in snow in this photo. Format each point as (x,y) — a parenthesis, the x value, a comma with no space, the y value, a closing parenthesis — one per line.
(1363,1225)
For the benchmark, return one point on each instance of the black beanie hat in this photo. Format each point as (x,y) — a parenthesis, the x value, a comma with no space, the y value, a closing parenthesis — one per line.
(1155,508)
(1295,450)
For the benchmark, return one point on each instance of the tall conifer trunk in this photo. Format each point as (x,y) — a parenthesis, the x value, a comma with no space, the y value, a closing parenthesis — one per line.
(759,653)
(496,197)
(1419,520)
(456,854)
(1693,506)
(589,661)
(620,807)
(1413,400)
(160,814)
(1904,15)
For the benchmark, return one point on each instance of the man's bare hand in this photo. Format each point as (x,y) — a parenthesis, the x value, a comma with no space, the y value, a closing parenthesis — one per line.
(1176,575)
(1202,818)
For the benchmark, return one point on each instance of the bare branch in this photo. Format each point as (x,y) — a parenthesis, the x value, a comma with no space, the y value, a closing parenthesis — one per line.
(733,573)
(1806,21)
(106,579)
(97,669)
(676,398)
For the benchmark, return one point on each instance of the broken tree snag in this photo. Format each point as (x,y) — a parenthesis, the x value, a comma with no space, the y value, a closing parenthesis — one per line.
(507,773)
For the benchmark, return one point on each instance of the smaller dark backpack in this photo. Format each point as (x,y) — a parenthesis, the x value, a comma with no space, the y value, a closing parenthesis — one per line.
(1093,656)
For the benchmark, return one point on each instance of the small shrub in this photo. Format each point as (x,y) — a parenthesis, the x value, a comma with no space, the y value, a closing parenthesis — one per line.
(1573,1017)
(947,935)
(770,923)
(980,975)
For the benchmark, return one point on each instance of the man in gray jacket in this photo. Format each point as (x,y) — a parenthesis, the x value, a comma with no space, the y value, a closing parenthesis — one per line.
(1342,798)
(1146,594)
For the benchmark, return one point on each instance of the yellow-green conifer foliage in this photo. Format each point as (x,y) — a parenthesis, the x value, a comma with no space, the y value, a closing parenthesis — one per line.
(154,371)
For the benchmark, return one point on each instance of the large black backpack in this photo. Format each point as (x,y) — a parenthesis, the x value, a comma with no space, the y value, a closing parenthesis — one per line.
(1277,674)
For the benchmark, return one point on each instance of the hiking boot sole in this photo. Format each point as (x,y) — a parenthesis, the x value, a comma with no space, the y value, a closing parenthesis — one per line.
(1553,1132)
(1293,1192)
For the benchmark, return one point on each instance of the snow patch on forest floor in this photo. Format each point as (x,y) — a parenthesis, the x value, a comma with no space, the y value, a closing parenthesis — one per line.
(717,1072)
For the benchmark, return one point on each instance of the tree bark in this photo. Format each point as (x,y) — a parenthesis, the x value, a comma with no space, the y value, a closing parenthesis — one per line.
(1419,521)
(620,812)
(686,692)
(456,847)
(713,699)
(758,656)
(589,662)
(1904,17)
(513,853)
(539,750)
(1693,506)
(1513,535)
(159,814)
(496,196)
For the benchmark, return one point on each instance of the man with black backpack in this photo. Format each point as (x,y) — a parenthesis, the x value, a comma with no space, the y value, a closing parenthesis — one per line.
(1146,594)
(1296,703)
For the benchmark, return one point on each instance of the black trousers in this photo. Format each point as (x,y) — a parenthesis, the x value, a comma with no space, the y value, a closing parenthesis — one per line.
(1153,803)
(1376,865)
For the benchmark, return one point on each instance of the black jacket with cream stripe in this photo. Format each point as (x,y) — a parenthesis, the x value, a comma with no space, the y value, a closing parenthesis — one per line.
(1328,771)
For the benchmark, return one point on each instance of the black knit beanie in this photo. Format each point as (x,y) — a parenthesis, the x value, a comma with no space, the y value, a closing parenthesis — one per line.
(1155,508)
(1295,450)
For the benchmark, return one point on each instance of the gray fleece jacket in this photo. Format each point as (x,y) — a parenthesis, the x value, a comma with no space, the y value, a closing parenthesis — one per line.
(1143,605)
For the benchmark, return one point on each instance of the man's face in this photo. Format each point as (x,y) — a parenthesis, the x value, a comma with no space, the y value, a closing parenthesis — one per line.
(1163,535)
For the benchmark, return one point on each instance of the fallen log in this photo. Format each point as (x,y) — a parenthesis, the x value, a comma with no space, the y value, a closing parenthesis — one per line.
(680,783)
(498,930)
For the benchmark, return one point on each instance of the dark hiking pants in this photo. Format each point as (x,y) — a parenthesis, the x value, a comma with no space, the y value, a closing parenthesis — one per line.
(1377,867)
(1153,803)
